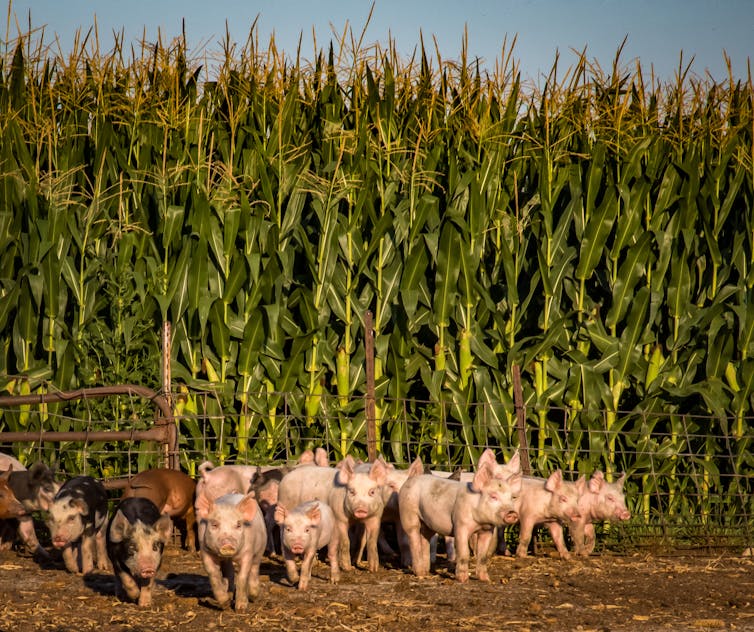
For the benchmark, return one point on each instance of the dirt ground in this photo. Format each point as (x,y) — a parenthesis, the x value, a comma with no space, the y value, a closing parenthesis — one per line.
(603,592)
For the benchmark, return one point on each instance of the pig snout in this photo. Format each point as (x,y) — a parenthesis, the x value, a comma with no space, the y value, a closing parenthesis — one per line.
(623,514)
(227,547)
(146,571)
(510,517)
(297,548)
(360,512)
(59,541)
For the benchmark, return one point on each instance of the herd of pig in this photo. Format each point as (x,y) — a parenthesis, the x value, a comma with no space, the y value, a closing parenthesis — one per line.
(243,512)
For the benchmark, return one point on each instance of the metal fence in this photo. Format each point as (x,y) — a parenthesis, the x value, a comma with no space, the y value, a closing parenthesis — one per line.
(686,488)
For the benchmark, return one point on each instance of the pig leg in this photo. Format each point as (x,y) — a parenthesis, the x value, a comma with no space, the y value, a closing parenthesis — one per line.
(524,538)
(190,520)
(126,585)
(87,554)
(556,531)
(29,536)
(253,582)
(145,595)
(484,548)
(413,533)
(242,585)
(291,572)
(332,556)
(306,568)
(217,580)
(71,558)
(372,533)
(100,542)
(463,553)
(403,544)
(344,545)
(589,538)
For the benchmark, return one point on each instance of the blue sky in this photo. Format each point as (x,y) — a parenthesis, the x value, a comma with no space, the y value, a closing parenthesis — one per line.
(656,30)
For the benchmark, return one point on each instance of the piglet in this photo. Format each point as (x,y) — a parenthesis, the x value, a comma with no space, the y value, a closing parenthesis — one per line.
(34,488)
(430,504)
(136,537)
(173,493)
(553,502)
(77,521)
(600,501)
(231,535)
(10,506)
(306,529)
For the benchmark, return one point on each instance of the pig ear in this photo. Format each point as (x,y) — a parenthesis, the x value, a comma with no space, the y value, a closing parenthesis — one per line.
(80,506)
(487,457)
(203,506)
(596,482)
(5,476)
(314,514)
(481,477)
(280,514)
(118,527)
(514,465)
(164,527)
(621,480)
(248,506)
(345,470)
(581,484)
(417,467)
(307,456)
(378,472)
(320,458)
(554,481)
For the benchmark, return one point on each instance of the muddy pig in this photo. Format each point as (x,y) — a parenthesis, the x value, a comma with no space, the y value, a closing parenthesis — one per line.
(231,535)
(551,501)
(136,538)
(35,488)
(306,529)
(600,501)
(77,521)
(430,504)
(173,493)
(10,506)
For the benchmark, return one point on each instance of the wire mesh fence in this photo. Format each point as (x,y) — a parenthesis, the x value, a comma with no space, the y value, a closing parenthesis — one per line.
(687,486)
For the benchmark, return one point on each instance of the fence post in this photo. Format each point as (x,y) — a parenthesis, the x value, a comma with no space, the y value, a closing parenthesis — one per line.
(170,454)
(370,406)
(518,402)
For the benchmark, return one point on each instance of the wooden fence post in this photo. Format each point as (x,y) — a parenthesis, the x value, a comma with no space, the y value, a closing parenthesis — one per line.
(370,406)
(518,402)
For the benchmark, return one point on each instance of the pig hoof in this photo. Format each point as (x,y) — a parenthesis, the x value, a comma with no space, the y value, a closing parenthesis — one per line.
(241,607)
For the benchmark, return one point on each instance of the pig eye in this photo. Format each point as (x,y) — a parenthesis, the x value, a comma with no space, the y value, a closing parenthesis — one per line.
(372,491)
(610,497)
(351,491)
(239,524)
(307,529)
(214,524)
(564,499)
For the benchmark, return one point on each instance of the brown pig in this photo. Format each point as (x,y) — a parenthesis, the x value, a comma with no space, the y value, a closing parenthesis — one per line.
(172,492)
(10,506)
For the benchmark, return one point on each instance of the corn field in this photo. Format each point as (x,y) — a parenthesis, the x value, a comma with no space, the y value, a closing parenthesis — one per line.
(597,232)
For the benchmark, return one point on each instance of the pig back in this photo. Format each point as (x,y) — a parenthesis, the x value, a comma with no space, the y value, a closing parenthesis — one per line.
(432,499)
(305,483)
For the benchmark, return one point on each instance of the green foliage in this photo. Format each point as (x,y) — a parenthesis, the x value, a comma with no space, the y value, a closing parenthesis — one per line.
(598,234)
